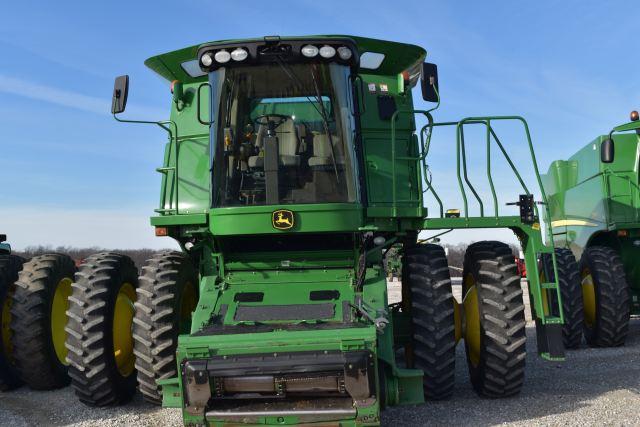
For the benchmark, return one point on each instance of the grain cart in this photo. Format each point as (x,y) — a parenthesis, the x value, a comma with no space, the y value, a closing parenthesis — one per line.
(595,200)
(292,165)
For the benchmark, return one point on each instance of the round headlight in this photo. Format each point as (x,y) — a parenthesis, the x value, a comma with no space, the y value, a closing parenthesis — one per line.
(327,51)
(309,51)
(344,53)
(206,59)
(222,56)
(239,54)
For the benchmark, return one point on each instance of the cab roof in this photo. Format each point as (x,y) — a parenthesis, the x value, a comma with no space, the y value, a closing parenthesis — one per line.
(398,57)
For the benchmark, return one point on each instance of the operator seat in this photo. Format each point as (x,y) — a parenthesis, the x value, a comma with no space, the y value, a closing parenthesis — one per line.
(322,151)
(288,143)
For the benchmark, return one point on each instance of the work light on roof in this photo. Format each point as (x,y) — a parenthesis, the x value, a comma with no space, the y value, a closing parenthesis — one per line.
(327,51)
(206,59)
(222,56)
(239,54)
(309,51)
(344,53)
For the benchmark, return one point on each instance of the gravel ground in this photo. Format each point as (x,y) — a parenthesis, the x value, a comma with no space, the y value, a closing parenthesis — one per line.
(592,387)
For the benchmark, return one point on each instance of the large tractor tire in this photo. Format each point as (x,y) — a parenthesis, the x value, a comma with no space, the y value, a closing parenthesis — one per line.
(570,292)
(167,297)
(606,297)
(426,276)
(38,319)
(99,332)
(10,266)
(495,339)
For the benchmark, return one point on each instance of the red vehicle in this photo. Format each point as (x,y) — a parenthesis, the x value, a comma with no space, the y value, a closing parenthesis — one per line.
(522,269)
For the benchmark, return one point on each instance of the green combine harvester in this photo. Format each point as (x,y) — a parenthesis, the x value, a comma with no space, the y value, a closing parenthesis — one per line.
(292,166)
(595,207)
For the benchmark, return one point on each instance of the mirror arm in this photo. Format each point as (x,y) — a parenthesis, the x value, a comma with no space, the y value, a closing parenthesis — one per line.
(164,124)
(435,89)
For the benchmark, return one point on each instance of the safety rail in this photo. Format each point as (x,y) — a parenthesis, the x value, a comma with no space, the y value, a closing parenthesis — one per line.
(167,125)
(165,170)
(426,133)
(545,292)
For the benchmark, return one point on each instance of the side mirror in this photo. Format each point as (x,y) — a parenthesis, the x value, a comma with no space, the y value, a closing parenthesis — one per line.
(3,238)
(429,82)
(607,151)
(120,92)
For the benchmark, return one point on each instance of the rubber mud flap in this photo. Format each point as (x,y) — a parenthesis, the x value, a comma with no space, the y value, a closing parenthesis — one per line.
(549,339)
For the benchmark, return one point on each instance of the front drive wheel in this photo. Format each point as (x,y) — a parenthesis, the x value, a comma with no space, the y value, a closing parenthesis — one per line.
(606,297)
(426,274)
(99,332)
(167,297)
(495,337)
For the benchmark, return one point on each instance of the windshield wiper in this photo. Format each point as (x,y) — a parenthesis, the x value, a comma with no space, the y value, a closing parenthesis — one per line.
(325,122)
(322,111)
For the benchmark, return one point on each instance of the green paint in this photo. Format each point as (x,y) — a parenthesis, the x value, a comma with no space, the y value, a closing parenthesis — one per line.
(247,264)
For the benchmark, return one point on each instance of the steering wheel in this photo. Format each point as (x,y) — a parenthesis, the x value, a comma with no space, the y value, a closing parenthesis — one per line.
(266,119)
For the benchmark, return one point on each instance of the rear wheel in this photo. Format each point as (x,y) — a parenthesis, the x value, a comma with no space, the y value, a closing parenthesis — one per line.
(39,318)
(10,266)
(495,337)
(606,297)
(99,332)
(167,297)
(426,274)
(571,293)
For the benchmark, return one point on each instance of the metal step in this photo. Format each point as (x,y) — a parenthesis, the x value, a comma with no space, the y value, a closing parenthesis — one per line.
(548,285)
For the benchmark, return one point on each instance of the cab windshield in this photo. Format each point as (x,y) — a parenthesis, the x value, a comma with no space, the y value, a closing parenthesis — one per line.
(282,134)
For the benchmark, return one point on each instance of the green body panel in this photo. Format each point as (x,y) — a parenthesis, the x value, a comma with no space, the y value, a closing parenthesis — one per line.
(315,218)
(329,248)
(377,149)
(596,203)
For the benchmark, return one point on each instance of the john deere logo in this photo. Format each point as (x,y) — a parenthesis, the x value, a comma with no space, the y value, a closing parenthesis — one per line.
(282,219)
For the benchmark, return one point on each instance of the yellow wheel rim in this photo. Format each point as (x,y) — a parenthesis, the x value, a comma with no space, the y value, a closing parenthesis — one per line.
(588,298)
(473,332)
(122,329)
(7,347)
(59,309)
(457,320)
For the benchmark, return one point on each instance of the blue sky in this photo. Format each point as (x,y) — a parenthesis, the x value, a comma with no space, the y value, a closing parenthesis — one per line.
(72,176)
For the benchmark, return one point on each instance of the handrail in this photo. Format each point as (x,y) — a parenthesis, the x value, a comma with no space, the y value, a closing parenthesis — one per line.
(459,145)
(173,138)
(427,114)
(426,134)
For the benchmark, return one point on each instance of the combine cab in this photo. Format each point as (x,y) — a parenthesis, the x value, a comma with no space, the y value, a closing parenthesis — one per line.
(595,207)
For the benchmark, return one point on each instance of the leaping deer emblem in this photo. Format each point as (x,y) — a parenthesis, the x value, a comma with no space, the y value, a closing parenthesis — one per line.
(282,219)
